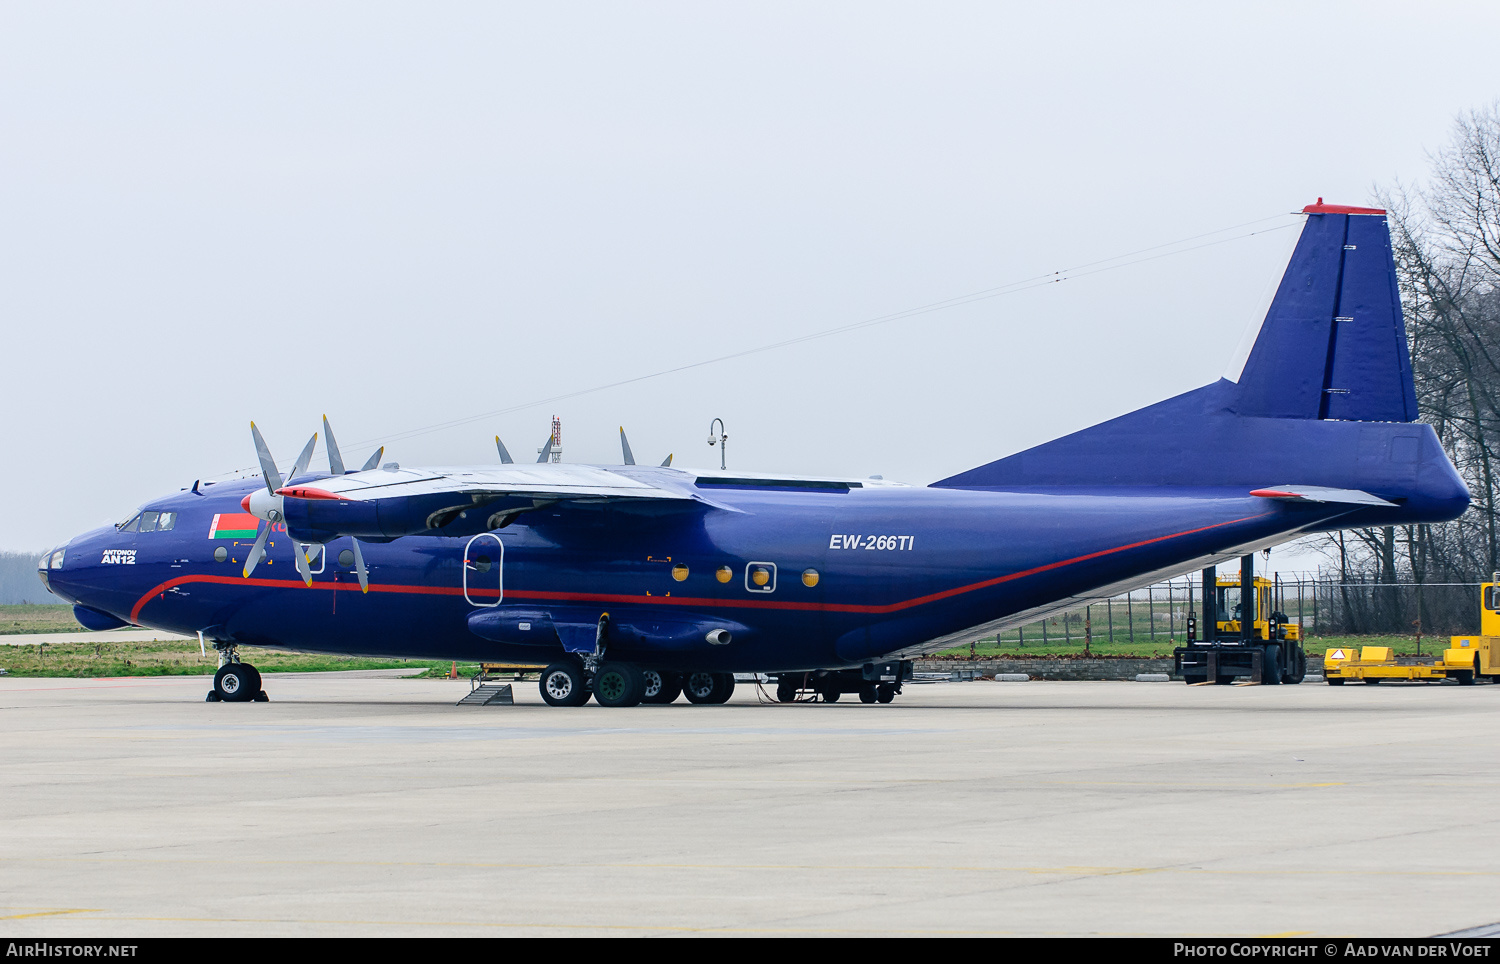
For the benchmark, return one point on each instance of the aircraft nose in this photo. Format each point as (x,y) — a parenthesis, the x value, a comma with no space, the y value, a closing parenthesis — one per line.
(45,565)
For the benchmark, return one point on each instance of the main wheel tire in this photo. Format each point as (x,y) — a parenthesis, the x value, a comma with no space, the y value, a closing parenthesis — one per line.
(619,684)
(786,690)
(1190,680)
(661,686)
(831,696)
(698,687)
(867,694)
(1270,666)
(236,683)
(708,688)
(885,693)
(562,684)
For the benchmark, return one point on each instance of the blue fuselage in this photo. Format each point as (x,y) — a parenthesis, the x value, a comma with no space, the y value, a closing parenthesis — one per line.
(806,578)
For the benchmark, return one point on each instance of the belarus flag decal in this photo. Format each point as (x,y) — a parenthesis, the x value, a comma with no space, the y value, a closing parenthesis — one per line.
(233,525)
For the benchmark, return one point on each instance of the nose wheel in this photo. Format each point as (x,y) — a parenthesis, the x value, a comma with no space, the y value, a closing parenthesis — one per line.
(235,682)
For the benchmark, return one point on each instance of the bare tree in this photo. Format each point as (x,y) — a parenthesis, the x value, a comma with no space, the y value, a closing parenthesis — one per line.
(1446,239)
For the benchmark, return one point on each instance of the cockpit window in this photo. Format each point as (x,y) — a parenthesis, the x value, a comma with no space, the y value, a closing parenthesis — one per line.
(150,521)
(57,559)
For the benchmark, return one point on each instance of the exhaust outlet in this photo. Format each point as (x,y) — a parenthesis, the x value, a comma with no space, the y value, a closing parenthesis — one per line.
(718,637)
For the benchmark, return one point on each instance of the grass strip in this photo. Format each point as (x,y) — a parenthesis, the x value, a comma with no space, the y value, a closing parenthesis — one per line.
(181,658)
(33,618)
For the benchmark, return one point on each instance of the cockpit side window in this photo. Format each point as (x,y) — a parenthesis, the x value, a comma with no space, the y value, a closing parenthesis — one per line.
(150,520)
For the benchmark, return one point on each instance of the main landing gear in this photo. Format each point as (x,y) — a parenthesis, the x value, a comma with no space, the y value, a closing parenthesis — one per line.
(235,682)
(570,682)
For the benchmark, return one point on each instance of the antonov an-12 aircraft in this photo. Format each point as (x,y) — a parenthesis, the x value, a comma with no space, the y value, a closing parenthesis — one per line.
(640,583)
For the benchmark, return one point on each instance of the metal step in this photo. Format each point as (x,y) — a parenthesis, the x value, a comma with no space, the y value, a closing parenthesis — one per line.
(490,694)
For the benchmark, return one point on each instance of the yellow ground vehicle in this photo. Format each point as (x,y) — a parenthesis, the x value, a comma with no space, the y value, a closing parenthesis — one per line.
(1260,643)
(1467,658)
(1264,627)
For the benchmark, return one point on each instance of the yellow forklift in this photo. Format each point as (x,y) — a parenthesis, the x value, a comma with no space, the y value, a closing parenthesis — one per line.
(1256,641)
(1466,660)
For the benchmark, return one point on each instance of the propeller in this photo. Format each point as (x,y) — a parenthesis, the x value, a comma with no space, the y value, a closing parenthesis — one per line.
(359,567)
(630,456)
(335,458)
(504,455)
(546,451)
(336,466)
(267,505)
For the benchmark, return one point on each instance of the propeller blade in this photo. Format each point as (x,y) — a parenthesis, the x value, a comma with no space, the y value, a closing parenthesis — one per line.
(667,462)
(359,567)
(257,551)
(373,462)
(625,444)
(546,451)
(504,455)
(300,468)
(267,464)
(335,458)
(301,560)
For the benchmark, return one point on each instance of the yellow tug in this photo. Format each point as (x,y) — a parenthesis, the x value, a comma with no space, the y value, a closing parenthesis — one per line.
(1466,659)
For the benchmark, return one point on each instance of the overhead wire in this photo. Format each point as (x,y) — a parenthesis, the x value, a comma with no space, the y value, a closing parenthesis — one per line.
(1127,259)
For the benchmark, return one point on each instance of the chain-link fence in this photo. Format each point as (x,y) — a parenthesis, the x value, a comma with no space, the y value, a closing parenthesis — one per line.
(1322,606)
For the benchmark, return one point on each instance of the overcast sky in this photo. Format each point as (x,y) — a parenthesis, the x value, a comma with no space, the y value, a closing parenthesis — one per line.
(403,215)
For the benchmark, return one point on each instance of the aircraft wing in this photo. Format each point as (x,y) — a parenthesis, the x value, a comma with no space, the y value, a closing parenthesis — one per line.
(550,481)
(388,503)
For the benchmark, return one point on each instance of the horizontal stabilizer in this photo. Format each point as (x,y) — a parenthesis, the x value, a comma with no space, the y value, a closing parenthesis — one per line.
(1319,493)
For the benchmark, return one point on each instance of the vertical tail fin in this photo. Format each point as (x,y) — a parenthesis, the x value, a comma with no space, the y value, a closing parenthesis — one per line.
(1324,396)
(1332,345)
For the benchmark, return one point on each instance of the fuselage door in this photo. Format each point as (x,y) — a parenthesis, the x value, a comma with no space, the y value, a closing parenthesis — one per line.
(484,570)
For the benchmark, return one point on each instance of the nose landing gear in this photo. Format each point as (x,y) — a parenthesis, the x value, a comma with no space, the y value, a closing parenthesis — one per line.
(235,682)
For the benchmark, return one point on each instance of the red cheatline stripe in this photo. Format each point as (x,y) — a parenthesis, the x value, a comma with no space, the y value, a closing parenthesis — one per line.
(678,600)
